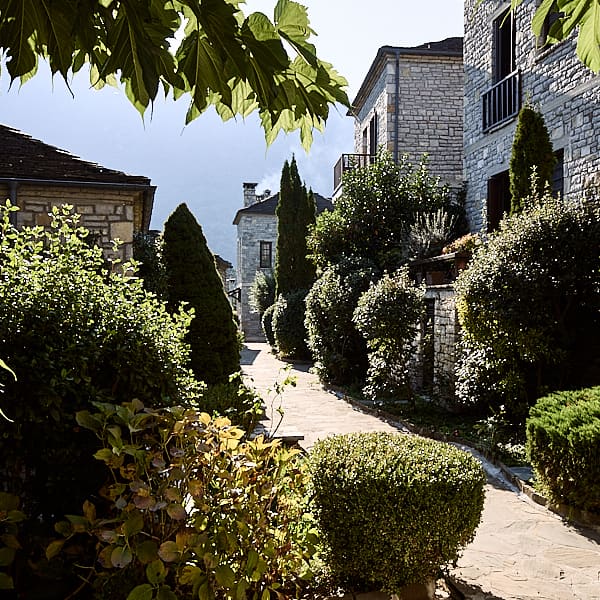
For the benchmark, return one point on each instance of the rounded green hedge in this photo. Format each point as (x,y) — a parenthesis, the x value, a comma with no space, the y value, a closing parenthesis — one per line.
(393,508)
(288,325)
(563,443)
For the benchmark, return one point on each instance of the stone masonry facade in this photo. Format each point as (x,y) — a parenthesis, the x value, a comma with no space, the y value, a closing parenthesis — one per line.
(108,214)
(416,100)
(553,80)
(252,229)
(36,177)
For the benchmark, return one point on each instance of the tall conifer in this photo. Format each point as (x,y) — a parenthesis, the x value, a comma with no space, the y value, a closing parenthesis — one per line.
(531,147)
(295,211)
(192,277)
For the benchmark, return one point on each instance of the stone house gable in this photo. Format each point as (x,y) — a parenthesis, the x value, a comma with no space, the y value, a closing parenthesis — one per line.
(36,176)
(505,65)
(411,102)
(256,242)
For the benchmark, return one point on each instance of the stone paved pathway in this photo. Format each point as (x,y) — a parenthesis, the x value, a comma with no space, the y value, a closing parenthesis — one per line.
(521,550)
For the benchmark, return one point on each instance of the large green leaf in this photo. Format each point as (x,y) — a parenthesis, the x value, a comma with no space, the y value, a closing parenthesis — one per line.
(588,42)
(237,64)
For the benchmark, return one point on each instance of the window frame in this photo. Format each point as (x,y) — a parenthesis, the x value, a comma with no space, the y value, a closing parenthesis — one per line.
(265,250)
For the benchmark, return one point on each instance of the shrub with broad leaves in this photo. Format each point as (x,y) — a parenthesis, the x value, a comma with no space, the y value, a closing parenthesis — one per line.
(189,509)
(388,315)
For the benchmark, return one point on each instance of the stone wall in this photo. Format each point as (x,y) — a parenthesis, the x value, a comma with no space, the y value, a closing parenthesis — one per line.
(430,112)
(107,213)
(553,80)
(252,229)
(433,364)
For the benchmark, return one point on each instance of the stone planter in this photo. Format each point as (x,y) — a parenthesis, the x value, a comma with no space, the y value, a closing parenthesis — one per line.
(414,591)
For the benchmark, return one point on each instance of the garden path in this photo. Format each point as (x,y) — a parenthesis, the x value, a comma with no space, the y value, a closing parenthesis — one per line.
(521,550)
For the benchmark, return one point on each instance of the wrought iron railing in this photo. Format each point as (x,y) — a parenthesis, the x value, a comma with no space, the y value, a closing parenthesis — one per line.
(349,162)
(502,101)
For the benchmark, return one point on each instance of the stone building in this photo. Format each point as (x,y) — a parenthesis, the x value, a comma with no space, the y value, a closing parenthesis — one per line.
(36,176)
(411,102)
(505,65)
(256,242)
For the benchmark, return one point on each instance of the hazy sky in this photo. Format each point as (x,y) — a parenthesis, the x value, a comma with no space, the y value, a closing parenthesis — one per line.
(205,163)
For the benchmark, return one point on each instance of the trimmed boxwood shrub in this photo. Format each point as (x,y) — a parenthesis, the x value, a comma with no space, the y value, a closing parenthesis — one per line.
(267,325)
(563,443)
(393,508)
(288,325)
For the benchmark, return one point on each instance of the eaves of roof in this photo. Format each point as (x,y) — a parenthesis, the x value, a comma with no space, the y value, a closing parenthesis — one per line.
(267,207)
(452,47)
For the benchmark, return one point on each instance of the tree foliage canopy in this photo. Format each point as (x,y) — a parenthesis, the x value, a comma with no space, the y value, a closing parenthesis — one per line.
(296,212)
(192,278)
(372,217)
(236,63)
(584,14)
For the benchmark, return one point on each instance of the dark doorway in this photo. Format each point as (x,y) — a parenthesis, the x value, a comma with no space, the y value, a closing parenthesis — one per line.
(498,201)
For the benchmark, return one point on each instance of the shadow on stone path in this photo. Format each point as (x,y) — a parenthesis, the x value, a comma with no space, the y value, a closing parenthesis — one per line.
(521,551)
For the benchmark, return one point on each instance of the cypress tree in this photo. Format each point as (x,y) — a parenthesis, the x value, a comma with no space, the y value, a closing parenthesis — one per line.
(531,147)
(295,211)
(192,277)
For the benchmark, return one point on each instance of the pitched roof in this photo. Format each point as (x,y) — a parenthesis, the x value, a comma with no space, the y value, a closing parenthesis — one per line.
(268,206)
(452,47)
(24,157)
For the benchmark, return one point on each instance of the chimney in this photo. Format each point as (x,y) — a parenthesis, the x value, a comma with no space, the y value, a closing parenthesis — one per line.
(249,194)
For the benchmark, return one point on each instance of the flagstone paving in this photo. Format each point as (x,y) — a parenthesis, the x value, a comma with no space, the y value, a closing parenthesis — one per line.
(521,551)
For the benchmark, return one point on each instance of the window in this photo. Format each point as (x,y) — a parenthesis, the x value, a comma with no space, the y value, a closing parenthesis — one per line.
(504,46)
(498,200)
(558,176)
(373,135)
(503,100)
(266,250)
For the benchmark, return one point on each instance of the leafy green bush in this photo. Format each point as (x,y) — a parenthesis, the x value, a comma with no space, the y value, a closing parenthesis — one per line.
(388,315)
(234,400)
(267,325)
(73,333)
(192,278)
(189,510)
(529,306)
(563,444)
(380,202)
(393,508)
(147,249)
(10,519)
(288,325)
(262,292)
(337,347)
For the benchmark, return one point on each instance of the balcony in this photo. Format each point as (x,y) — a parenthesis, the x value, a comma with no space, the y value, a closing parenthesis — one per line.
(349,162)
(502,101)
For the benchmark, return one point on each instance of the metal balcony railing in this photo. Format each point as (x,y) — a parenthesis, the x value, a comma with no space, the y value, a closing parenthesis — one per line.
(502,101)
(349,162)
